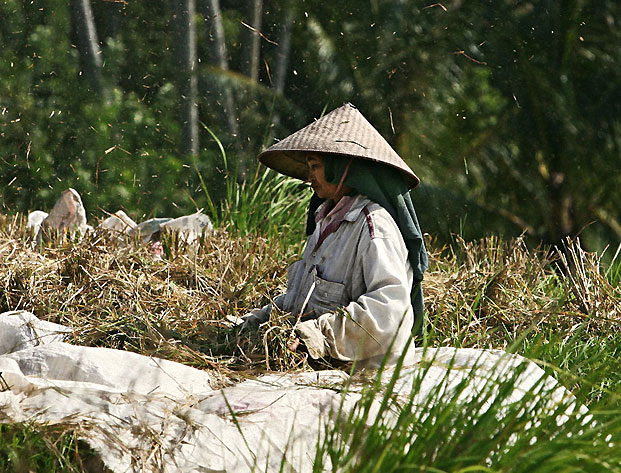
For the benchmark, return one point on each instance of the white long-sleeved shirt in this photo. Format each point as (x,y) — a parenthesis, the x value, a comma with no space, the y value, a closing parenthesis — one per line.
(353,288)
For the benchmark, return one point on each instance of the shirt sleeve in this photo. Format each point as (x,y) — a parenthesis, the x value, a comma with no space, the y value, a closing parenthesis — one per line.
(381,316)
(260,315)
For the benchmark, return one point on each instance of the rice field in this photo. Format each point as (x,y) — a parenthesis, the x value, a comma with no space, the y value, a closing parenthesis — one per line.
(559,307)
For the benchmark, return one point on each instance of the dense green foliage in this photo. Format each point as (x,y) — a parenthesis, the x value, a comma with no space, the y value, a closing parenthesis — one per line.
(509,111)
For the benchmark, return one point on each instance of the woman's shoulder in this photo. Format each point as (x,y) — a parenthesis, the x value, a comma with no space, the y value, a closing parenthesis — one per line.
(379,222)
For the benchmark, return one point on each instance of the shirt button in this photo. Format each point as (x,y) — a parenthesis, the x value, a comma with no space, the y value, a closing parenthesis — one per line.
(314,254)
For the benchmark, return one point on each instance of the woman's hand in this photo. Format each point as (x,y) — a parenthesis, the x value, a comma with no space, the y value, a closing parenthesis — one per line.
(294,343)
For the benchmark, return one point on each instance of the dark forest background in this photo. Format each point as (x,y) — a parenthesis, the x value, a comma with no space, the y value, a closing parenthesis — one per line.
(508,110)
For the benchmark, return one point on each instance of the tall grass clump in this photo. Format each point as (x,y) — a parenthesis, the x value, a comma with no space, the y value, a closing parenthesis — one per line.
(613,272)
(267,203)
(555,301)
(455,427)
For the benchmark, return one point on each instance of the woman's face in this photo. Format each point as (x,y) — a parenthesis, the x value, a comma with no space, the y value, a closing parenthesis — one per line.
(317,177)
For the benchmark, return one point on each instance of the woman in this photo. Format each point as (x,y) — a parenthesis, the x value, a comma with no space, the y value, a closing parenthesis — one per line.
(356,291)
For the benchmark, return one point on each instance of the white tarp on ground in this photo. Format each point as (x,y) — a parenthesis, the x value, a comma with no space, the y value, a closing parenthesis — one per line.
(148,414)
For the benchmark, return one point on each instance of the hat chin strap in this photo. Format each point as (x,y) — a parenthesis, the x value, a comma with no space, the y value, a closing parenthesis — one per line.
(339,187)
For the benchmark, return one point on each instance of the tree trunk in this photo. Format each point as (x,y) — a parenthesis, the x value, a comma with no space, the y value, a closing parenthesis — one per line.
(281,68)
(255,41)
(184,30)
(561,220)
(88,45)
(230,110)
(282,57)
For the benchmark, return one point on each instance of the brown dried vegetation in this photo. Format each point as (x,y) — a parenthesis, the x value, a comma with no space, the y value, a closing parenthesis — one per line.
(114,293)
(489,292)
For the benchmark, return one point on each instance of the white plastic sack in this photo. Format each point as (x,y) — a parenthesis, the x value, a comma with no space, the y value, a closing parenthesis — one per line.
(20,330)
(119,222)
(35,219)
(67,215)
(189,227)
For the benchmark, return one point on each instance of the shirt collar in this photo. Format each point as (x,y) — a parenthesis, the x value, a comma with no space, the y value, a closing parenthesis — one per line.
(356,204)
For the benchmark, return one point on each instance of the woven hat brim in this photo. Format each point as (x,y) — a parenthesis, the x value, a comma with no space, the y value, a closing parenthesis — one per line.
(293,163)
(344,132)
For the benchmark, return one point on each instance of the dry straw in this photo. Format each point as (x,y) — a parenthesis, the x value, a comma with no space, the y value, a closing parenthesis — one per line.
(115,293)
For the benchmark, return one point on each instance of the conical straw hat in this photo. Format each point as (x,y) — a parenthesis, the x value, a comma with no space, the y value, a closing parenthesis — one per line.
(343,131)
